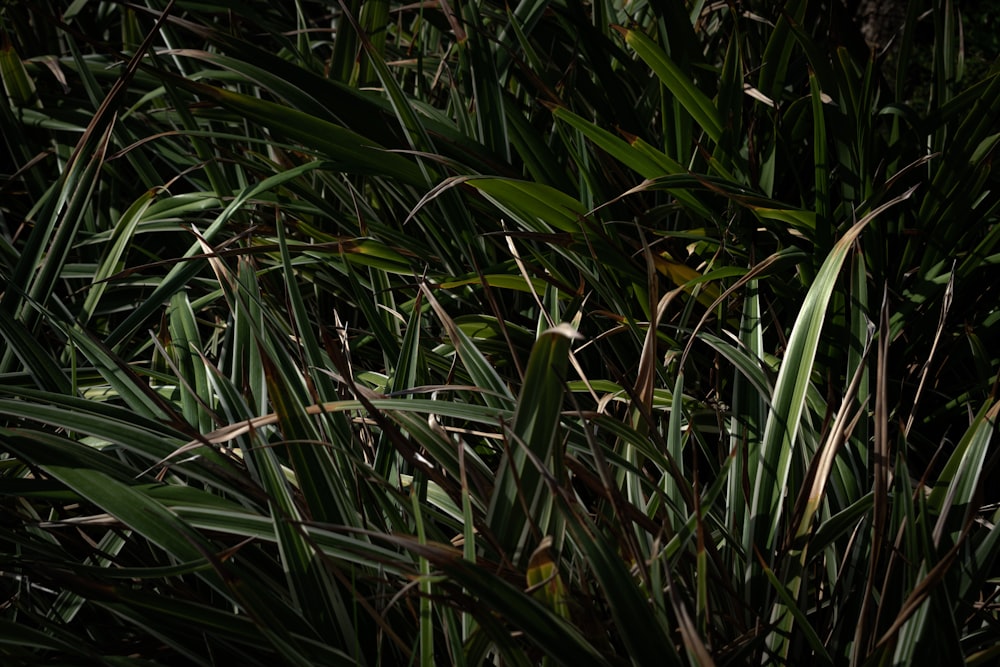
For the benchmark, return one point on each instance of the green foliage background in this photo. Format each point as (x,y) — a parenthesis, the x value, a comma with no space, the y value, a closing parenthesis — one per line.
(475,332)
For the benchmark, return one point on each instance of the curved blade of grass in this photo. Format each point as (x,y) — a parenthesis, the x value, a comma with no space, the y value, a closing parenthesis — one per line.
(260,635)
(787,615)
(122,237)
(77,416)
(957,485)
(790,393)
(619,148)
(496,394)
(40,448)
(348,149)
(635,153)
(537,207)
(141,513)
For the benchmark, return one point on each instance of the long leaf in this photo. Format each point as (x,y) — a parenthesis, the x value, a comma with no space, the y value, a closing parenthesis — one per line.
(788,403)
(517,504)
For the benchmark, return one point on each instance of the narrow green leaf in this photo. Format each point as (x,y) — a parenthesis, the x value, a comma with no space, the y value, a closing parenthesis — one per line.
(790,393)
(520,487)
(141,513)
(959,482)
(778,52)
(122,237)
(18,85)
(537,207)
(34,358)
(790,606)
(495,392)
(702,109)
(347,149)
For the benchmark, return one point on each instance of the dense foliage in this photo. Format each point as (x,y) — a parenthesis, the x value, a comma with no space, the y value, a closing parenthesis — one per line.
(475,332)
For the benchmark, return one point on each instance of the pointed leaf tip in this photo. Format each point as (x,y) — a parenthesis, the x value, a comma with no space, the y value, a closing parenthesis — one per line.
(564,329)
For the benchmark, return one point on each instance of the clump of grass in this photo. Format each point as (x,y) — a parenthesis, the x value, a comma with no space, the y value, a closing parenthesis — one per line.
(567,333)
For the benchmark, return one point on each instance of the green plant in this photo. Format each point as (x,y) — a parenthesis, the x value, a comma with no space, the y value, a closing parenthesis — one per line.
(599,333)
